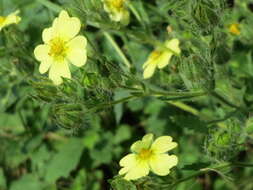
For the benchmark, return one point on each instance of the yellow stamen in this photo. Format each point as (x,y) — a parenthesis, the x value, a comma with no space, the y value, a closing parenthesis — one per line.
(58,48)
(2,19)
(155,54)
(118,4)
(234,29)
(145,154)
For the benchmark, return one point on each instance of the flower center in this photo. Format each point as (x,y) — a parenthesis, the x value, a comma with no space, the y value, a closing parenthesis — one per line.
(234,29)
(145,154)
(58,48)
(155,54)
(2,19)
(117,4)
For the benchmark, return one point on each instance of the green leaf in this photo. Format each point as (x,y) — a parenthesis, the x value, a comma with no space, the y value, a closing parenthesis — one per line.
(65,160)
(11,122)
(2,179)
(90,139)
(123,133)
(118,108)
(26,182)
(136,105)
(191,122)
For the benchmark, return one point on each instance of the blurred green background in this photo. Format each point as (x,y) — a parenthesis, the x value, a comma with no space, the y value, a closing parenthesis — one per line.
(38,153)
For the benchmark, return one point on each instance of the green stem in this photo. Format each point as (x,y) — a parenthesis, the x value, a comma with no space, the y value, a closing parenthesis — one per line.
(193,111)
(178,94)
(223,100)
(206,170)
(135,12)
(176,98)
(222,119)
(200,172)
(118,50)
(109,104)
(241,164)
(161,93)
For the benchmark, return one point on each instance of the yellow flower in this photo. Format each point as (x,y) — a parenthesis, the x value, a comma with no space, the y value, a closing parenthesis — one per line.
(160,57)
(10,19)
(148,155)
(234,29)
(61,47)
(117,10)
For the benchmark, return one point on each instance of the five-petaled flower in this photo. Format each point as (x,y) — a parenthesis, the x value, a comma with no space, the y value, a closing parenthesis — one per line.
(10,19)
(61,47)
(148,155)
(117,10)
(160,57)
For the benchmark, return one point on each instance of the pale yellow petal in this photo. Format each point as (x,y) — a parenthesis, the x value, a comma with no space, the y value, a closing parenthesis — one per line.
(47,35)
(58,70)
(152,58)
(161,164)
(13,18)
(77,57)
(79,42)
(128,161)
(164,59)
(45,65)
(145,143)
(163,144)
(148,138)
(173,45)
(149,70)
(141,169)
(77,54)
(65,26)
(146,63)
(41,52)
(123,171)
(116,16)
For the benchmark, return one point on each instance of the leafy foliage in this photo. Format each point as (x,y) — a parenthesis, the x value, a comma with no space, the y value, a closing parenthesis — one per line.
(72,136)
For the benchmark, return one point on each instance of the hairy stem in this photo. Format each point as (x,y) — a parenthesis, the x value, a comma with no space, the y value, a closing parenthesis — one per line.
(117,48)
(223,100)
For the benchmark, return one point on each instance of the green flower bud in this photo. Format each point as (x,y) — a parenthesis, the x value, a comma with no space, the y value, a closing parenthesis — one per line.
(45,90)
(225,143)
(69,116)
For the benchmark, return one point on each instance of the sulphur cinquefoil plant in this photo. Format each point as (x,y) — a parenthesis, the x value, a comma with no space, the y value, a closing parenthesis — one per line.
(126,95)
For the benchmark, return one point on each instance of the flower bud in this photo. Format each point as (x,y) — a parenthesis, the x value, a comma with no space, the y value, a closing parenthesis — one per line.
(69,116)
(225,143)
